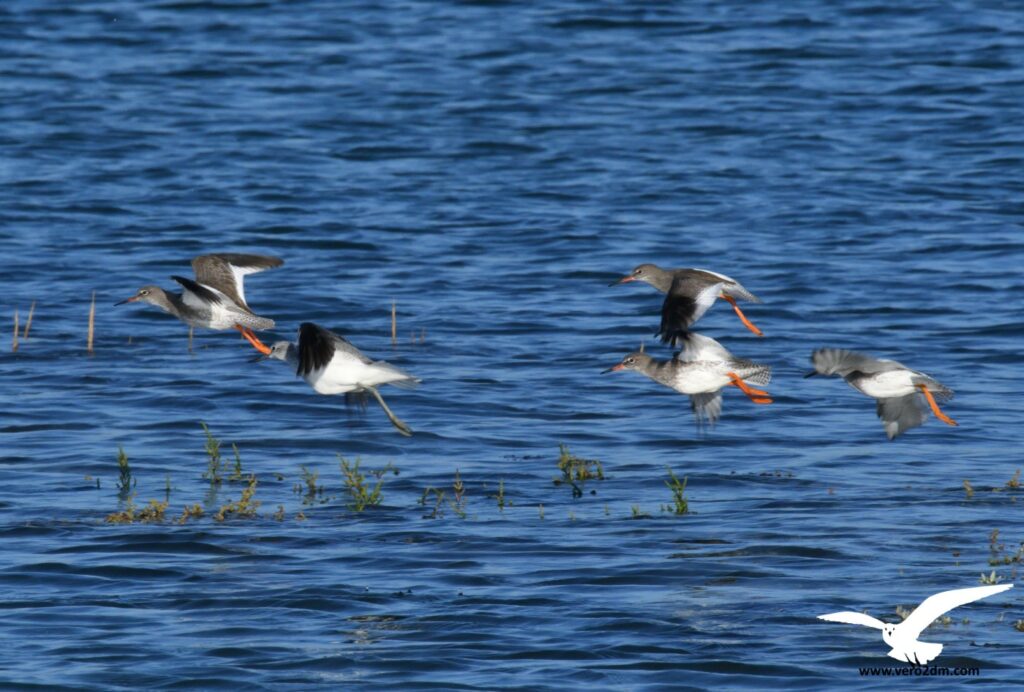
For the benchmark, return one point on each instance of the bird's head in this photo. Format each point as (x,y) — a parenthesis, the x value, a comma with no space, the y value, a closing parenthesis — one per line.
(648,273)
(637,360)
(153,295)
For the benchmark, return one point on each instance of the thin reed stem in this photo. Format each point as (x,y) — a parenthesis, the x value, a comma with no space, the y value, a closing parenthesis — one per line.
(28,322)
(394,322)
(92,323)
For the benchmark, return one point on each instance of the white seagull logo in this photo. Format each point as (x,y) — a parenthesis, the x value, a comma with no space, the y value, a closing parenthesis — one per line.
(903,637)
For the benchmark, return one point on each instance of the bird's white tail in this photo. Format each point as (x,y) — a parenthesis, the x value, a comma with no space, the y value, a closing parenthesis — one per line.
(386,373)
(921,654)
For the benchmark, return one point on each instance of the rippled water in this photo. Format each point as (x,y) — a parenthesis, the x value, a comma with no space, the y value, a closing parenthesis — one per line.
(490,167)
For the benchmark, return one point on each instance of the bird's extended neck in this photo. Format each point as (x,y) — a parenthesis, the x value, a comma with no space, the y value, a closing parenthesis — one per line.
(660,278)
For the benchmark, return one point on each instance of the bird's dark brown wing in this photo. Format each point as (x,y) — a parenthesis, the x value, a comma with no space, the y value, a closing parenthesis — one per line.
(316,348)
(225,271)
(687,300)
(200,291)
(676,317)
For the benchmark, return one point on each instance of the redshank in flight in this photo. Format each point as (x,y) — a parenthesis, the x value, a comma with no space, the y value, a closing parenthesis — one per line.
(332,365)
(689,294)
(216,299)
(901,393)
(701,370)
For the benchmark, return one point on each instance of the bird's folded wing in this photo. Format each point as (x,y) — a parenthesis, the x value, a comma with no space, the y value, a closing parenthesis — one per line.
(851,618)
(935,606)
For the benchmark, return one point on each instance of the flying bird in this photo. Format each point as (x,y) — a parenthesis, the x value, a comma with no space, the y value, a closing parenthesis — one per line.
(701,370)
(689,294)
(901,393)
(330,364)
(903,637)
(216,299)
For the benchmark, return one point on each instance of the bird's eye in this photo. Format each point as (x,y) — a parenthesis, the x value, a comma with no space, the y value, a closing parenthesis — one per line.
(143,292)
(630,361)
(638,272)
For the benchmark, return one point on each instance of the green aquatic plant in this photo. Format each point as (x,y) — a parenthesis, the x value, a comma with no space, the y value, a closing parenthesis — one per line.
(500,497)
(437,511)
(679,504)
(458,504)
(310,491)
(151,513)
(125,482)
(191,512)
(213,464)
(236,473)
(639,513)
(1014,482)
(245,507)
(576,470)
(968,490)
(360,494)
(989,579)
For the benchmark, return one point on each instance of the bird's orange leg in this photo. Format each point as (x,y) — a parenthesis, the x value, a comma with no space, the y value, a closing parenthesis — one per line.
(743,318)
(250,336)
(758,396)
(935,407)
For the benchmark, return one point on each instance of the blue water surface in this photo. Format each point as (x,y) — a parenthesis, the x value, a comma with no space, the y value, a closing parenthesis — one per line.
(489,167)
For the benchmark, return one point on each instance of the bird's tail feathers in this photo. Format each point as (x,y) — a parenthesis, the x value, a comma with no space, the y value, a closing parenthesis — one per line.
(754,373)
(395,376)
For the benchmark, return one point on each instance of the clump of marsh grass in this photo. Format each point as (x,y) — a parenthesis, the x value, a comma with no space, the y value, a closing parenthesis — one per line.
(577,470)
(214,461)
(125,482)
(990,579)
(1019,625)
(1014,482)
(968,490)
(309,490)
(244,507)
(360,494)
(191,512)
(1000,556)
(679,504)
(150,514)
(639,513)
(437,511)
(440,498)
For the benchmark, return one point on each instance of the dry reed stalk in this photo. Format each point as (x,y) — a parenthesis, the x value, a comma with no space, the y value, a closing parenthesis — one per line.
(394,322)
(92,323)
(28,322)
(190,330)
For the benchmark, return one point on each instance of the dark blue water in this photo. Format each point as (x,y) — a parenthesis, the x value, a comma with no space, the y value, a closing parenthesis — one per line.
(490,167)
